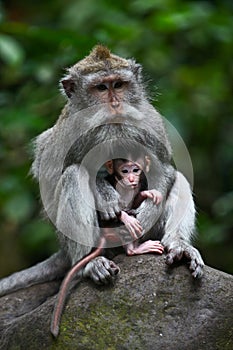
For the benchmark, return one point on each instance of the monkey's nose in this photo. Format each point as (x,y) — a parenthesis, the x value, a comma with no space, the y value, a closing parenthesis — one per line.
(115,104)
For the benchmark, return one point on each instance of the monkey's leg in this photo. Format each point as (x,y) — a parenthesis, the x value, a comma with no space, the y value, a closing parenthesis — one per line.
(77,223)
(53,268)
(180,226)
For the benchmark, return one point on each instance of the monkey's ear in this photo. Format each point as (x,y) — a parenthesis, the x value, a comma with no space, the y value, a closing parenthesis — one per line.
(137,69)
(68,86)
(109,166)
(147,161)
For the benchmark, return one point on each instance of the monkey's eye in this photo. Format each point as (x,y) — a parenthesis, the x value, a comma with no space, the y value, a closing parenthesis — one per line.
(101,87)
(137,171)
(118,84)
(124,171)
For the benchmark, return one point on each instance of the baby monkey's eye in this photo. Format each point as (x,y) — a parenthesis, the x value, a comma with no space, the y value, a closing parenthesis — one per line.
(137,171)
(124,171)
(118,84)
(101,87)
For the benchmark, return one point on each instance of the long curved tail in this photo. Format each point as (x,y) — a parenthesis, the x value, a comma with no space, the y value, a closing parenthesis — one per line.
(56,317)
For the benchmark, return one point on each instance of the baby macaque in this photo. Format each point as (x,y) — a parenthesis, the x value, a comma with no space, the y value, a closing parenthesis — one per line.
(129,180)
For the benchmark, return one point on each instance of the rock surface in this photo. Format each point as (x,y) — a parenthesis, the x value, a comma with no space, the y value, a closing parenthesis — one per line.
(151,306)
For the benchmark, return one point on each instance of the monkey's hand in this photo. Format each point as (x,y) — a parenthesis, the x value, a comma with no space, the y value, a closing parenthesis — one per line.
(180,249)
(132,224)
(107,200)
(101,270)
(155,195)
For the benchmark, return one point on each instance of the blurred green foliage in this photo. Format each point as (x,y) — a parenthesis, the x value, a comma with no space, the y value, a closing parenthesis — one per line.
(186,48)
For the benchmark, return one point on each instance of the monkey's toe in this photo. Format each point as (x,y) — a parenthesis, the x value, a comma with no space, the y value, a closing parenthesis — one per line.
(101,270)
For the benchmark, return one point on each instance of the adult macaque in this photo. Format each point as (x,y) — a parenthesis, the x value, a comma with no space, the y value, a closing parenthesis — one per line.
(107,106)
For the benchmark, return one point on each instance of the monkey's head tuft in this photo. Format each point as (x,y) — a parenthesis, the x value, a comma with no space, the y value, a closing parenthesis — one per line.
(101,59)
(101,52)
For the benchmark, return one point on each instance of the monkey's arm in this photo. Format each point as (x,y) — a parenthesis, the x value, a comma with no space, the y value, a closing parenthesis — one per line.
(180,226)
(178,214)
(39,144)
(107,200)
(77,223)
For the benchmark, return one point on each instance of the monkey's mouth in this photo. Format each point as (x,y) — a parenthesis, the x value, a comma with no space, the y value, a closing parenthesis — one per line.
(133,185)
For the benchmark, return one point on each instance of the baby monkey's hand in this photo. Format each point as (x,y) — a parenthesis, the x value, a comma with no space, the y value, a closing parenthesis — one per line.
(132,224)
(155,195)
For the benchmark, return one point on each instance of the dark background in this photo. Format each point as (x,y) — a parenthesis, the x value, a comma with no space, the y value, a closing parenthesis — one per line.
(186,48)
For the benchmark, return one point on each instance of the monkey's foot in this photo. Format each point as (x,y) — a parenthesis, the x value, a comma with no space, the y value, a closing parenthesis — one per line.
(196,263)
(144,248)
(101,270)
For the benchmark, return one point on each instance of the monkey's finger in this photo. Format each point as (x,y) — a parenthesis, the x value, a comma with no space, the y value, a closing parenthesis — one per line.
(95,271)
(158,250)
(104,215)
(174,255)
(101,270)
(112,214)
(117,210)
(196,267)
(110,271)
(114,268)
(150,195)
(157,246)
(196,262)
(131,231)
(99,278)
(153,196)
(144,194)
(198,272)
(104,272)
(138,226)
(138,229)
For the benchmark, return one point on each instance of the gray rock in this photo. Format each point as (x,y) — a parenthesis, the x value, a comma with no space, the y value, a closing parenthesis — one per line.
(150,306)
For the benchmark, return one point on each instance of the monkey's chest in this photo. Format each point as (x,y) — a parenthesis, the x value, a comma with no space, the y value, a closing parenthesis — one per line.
(126,198)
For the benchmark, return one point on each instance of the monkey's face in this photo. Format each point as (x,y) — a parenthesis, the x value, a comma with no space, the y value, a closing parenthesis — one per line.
(128,174)
(109,89)
(112,90)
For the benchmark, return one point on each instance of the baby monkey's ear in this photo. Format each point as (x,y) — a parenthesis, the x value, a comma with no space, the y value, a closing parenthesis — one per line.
(147,164)
(109,166)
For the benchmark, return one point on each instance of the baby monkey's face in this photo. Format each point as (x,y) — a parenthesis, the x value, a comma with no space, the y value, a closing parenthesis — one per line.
(129,173)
